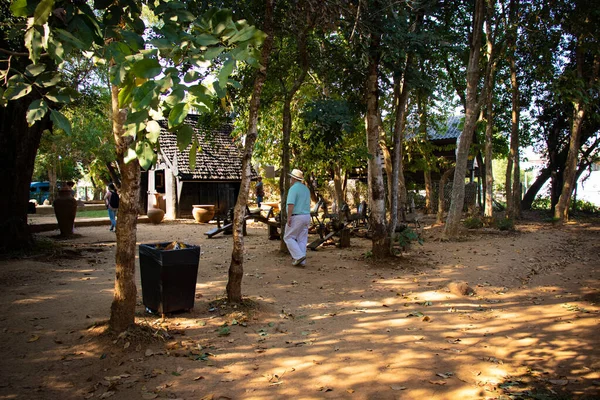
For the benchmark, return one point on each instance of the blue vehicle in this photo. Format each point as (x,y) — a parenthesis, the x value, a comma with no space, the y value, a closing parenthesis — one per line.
(39,191)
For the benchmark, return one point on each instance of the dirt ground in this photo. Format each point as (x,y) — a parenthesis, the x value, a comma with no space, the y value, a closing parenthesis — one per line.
(341,328)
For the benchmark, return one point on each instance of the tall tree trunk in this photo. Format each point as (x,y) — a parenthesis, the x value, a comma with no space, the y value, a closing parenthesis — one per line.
(380,239)
(489,113)
(122,310)
(398,188)
(513,170)
(451,230)
(338,185)
(18,148)
(236,268)
(579,112)
(284,180)
(561,211)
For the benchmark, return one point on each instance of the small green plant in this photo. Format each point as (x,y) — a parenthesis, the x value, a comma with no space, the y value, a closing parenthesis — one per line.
(505,224)
(473,223)
(406,237)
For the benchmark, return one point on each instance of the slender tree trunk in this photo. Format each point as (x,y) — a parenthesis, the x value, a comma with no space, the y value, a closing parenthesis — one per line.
(489,113)
(398,189)
(284,182)
(380,239)
(428,191)
(236,268)
(18,148)
(451,230)
(513,168)
(122,310)
(561,211)
(441,195)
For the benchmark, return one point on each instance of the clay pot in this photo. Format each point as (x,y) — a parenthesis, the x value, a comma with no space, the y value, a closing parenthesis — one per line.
(203,212)
(65,209)
(155,215)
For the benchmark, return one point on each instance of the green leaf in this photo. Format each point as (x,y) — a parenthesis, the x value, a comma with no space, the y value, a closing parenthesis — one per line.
(35,69)
(125,95)
(20,8)
(16,90)
(130,156)
(153,129)
(178,114)
(224,331)
(60,121)
(234,83)
(33,41)
(243,35)
(206,40)
(36,111)
(69,38)
(42,12)
(213,52)
(219,90)
(191,76)
(184,136)
(227,69)
(137,117)
(48,79)
(175,97)
(147,68)
(145,95)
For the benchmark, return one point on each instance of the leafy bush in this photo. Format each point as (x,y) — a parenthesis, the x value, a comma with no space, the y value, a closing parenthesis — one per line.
(505,224)
(473,223)
(585,206)
(541,203)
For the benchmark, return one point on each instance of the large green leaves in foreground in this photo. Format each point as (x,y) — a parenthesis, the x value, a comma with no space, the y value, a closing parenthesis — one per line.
(162,70)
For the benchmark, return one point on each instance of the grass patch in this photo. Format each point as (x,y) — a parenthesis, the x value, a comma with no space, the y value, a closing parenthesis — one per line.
(92,214)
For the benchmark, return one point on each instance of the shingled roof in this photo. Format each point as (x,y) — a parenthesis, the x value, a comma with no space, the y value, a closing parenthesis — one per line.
(219,160)
(452,129)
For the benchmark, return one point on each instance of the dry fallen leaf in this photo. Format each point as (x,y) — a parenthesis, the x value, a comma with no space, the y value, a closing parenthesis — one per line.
(398,387)
(438,382)
(149,396)
(350,391)
(33,338)
(198,378)
(559,382)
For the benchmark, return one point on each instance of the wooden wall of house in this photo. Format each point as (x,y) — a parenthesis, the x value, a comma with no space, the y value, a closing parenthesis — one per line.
(221,194)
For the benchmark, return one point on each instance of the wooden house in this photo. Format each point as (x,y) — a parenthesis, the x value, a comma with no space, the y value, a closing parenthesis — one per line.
(173,186)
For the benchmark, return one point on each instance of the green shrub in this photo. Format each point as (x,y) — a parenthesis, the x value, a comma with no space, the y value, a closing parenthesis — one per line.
(541,203)
(584,206)
(473,223)
(505,224)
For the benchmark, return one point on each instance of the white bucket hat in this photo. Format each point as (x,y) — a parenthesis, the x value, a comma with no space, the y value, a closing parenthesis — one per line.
(297,174)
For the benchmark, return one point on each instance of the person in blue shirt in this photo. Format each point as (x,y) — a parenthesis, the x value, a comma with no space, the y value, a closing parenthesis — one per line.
(298,218)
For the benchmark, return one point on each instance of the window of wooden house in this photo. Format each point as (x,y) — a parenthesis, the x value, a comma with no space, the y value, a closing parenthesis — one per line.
(159,181)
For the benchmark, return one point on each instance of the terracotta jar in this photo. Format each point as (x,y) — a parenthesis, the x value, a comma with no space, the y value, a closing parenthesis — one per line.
(65,209)
(203,212)
(156,214)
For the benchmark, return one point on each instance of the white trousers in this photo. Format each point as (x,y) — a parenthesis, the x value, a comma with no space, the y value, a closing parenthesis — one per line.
(296,235)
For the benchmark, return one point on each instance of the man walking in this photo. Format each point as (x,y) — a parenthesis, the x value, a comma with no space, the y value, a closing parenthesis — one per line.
(298,218)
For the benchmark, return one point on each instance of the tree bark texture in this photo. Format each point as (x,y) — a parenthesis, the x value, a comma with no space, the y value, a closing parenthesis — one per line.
(398,188)
(442,194)
(513,168)
(452,228)
(284,181)
(18,148)
(122,310)
(561,211)
(236,268)
(380,240)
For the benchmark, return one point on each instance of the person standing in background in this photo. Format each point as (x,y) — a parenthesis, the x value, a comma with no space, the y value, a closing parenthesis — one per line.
(259,191)
(111,199)
(298,218)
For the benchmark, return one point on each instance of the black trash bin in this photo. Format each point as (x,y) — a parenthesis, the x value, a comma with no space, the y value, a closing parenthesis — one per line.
(168,277)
